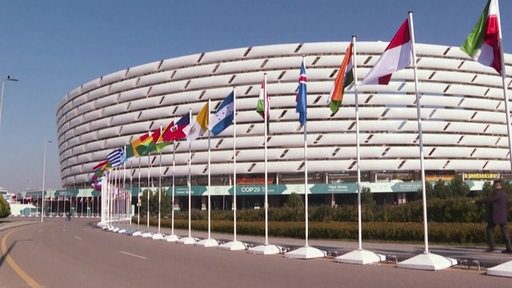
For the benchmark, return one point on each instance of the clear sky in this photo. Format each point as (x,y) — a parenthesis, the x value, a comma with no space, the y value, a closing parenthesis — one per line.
(54,46)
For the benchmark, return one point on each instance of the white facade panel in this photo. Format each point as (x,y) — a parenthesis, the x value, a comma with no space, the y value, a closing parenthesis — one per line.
(113,77)
(461,111)
(144,69)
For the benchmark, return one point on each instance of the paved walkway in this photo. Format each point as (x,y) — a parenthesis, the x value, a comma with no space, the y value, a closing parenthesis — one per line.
(398,251)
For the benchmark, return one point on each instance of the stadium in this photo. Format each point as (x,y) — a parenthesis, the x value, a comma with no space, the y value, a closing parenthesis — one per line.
(462,112)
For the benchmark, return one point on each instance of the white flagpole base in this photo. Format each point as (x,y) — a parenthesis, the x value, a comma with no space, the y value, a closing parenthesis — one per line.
(265,250)
(186,240)
(233,246)
(427,261)
(147,235)
(171,238)
(504,270)
(207,243)
(361,257)
(158,236)
(129,231)
(137,233)
(305,252)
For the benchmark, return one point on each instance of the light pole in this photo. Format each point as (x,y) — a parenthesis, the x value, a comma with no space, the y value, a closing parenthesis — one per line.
(8,78)
(44,176)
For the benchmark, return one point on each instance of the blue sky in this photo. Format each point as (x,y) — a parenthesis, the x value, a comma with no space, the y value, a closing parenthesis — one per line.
(54,46)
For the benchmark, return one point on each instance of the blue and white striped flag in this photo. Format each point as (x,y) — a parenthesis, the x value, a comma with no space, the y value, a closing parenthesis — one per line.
(114,157)
(224,116)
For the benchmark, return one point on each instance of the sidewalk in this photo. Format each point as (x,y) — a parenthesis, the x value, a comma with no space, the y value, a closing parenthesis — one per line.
(398,251)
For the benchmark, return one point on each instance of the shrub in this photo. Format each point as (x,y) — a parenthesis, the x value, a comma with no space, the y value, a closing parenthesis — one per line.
(5,208)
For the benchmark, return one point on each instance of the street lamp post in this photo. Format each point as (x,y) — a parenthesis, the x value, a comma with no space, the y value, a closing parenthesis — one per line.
(44,178)
(8,78)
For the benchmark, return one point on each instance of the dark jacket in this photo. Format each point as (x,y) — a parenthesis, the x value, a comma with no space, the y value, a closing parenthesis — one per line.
(498,207)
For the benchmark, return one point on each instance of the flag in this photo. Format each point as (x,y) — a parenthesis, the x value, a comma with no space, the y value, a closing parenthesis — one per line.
(114,157)
(100,169)
(483,43)
(263,105)
(129,152)
(344,78)
(132,149)
(224,116)
(175,132)
(302,95)
(200,124)
(100,165)
(263,102)
(145,145)
(153,145)
(397,56)
(159,142)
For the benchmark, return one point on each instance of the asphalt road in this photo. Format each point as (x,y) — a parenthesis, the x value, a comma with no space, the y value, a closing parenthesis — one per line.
(58,253)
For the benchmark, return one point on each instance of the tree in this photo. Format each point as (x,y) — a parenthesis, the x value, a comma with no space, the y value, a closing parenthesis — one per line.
(458,188)
(294,201)
(367,196)
(5,208)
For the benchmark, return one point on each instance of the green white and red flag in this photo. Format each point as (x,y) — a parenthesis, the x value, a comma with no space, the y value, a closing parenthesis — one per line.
(483,43)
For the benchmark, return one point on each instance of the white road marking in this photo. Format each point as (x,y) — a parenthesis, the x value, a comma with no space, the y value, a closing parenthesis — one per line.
(133,255)
(78,237)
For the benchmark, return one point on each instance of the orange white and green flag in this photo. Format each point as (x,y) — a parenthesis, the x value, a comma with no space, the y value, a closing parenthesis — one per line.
(344,78)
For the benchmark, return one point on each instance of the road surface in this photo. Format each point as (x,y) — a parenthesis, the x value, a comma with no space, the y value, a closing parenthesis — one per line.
(58,253)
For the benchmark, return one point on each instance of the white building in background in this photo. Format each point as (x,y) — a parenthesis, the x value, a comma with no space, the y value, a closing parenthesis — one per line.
(462,109)
(5,194)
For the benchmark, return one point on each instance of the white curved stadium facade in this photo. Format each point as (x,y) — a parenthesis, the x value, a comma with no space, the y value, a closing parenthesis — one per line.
(462,111)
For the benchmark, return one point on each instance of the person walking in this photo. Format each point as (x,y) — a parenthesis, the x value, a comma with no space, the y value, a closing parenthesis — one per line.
(497,215)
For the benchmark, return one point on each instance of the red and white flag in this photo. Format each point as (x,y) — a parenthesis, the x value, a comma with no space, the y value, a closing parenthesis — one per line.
(397,56)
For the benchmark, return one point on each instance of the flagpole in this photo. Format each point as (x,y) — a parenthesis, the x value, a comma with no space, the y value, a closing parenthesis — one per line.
(147,198)
(265,118)
(204,121)
(265,249)
(160,188)
(189,239)
(128,205)
(359,256)
(138,200)
(109,199)
(173,237)
(234,166)
(306,208)
(189,182)
(209,176)
(234,245)
(358,144)
(124,189)
(420,135)
(305,252)
(173,185)
(503,269)
(306,216)
(505,90)
(426,260)
(125,208)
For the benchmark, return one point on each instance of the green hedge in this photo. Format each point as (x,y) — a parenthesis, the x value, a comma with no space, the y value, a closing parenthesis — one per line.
(454,220)
(462,233)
